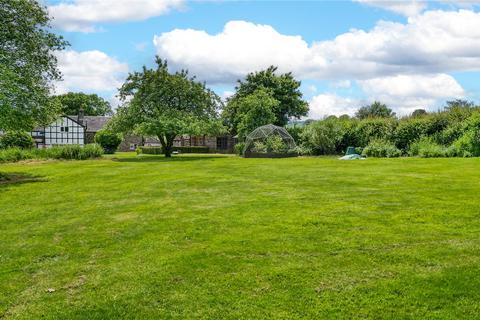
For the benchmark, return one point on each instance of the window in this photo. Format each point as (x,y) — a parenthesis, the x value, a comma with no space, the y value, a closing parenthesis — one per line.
(64,129)
(222,143)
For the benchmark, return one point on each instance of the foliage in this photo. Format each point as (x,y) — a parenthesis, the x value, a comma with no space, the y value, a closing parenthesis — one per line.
(157,150)
(239,147)
(374,129)
(20,139)
(296,132)
(419,113)
(381,149)
(165,105)
(67,152)
(427,148)
(272,144)
(323,137)
(91,104)
(409,131)
(459,110)
(283,88)
(28,65)
(109,140)
(375,110)
(254,110)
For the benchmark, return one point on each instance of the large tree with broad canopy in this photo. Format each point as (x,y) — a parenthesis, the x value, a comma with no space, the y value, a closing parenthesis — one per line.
(165,104)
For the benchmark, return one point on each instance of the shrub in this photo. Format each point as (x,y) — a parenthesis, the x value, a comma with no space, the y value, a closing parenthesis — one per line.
(109,140)
(239,148)
(259,147)
(468,145)
(13,154)
(68,152)
(375,129)
(159,150)
(20,139)
(275,144)
(324,136)
(410,130)
(296,132)
(381,149)
(427,148)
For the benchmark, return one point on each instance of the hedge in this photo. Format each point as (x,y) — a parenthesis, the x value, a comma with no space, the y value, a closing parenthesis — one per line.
(159,150)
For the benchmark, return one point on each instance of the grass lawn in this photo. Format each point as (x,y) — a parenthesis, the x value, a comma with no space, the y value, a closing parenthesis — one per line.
(203,237)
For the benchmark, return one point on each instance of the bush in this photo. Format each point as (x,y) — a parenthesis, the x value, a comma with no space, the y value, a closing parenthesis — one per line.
(19,139)
(324,136)
(259,147)
(68,152)
(109,140)
(159,150)
(275,144)
(381,149)
(410,130)
(374,129)
(468,145)
(427,148)
(239,148)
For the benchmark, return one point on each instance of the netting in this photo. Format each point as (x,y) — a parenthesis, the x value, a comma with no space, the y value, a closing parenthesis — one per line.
(262,134)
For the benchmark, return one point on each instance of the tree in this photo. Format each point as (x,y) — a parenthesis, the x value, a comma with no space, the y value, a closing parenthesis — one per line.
(284,88)
(165,105)
(255,110)
(459,110)
(375,110)
(92,104)
(27,65)
(419,113)
(109,140)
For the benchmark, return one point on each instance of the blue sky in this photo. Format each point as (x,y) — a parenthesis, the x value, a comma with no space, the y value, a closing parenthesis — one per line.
(410,54)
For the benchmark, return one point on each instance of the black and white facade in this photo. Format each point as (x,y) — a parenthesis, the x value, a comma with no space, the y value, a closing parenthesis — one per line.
(63,131)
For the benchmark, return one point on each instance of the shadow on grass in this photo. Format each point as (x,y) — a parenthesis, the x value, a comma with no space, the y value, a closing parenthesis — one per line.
(16,178)
(162,158)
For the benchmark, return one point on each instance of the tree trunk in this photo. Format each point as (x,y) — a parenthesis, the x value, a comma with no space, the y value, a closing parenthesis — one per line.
(167,143)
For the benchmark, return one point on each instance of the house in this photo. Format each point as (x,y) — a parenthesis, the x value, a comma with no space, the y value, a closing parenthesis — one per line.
(66,130)
(217,144)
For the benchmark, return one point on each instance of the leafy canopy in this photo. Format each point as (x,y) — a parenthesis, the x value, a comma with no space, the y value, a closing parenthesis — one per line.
(108,140)
(164,105)
(283,88)
(27,65)
(255,110)
(92,104)
(375,110)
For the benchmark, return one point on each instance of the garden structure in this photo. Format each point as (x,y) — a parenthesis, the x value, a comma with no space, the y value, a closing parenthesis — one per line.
(269,141)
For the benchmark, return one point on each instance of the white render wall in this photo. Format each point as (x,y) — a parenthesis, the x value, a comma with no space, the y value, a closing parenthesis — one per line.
(64,131)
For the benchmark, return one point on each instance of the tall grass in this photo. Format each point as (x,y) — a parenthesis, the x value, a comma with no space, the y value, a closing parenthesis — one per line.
(69,152)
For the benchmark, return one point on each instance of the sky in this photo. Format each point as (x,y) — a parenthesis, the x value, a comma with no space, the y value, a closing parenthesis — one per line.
(408,54)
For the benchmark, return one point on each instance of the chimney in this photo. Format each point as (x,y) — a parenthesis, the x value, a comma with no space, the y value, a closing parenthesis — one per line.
(81,114)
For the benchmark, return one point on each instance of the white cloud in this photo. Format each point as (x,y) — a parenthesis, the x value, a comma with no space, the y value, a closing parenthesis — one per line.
(331,104)
(404,7)
(433,42)
(407,93)
(83,15)
(240,48)
(227,94)
(89,71)
(342,84)
(141,46)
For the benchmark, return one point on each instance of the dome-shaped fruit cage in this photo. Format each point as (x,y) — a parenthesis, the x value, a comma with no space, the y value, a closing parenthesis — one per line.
(269,141)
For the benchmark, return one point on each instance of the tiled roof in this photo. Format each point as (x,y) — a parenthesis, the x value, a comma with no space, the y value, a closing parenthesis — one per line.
(93,123)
